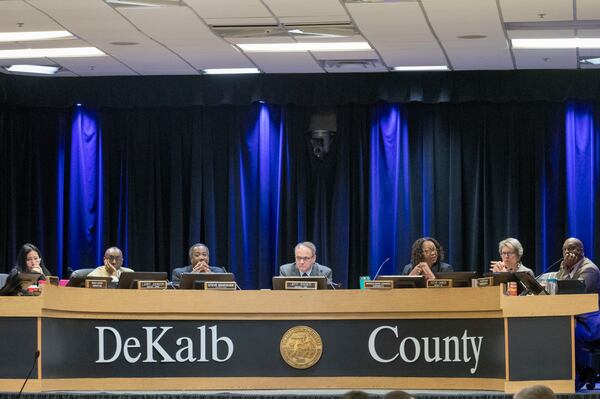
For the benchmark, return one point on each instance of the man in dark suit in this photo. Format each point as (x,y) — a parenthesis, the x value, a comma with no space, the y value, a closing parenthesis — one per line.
(199,258)
(305,264)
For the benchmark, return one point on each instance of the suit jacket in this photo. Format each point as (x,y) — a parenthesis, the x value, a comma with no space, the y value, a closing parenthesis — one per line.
(177,272)
(290,269)
(438,267)
(588,272)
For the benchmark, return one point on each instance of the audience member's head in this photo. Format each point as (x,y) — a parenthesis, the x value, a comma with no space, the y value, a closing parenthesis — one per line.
(398,395)
(535,392)
(356,395)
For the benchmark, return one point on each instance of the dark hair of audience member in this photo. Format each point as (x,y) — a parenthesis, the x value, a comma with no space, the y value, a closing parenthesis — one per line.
(356,395)
(398,395)
(535,392)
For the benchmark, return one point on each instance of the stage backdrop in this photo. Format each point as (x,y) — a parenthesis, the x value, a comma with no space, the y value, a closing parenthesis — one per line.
(244,180)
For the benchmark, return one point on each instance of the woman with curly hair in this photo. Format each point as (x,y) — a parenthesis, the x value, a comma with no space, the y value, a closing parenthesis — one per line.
(426,259)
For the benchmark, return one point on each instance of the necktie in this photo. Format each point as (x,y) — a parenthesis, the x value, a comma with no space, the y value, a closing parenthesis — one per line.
(304,275)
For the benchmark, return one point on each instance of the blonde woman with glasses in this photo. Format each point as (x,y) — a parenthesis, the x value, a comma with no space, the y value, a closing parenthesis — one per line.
(511,251)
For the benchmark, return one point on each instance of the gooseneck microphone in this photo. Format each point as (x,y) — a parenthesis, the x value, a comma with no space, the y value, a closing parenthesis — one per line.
(35,358)
(380,266)
(554,264)
(237,287)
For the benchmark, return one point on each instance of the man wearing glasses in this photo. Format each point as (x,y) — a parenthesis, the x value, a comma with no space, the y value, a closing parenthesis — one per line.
(113,265)
(305,265)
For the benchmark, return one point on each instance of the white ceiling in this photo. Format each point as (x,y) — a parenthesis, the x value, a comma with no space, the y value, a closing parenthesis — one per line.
(182,38)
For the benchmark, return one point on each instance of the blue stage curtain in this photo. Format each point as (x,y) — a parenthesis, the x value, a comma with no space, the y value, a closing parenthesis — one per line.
(244,180)
(84,216)
(389,191)
(256,163)
(582,143)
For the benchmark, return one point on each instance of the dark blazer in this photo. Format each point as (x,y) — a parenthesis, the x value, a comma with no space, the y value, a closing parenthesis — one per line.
(177,272)
(290,269)
(438,267)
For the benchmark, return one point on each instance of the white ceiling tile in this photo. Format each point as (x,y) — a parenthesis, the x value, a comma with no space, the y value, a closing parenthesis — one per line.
(307,8)
(229,8)
(588,9)
(451,19)
(545,59)
(529,10)
(286,63)
(487,58)
(384,22)
(413,57)
(178,40)
(13,12)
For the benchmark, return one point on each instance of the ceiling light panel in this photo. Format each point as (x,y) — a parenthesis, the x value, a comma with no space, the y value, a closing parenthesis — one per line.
(25,53)
(34,36)
(530,10)
(295,47)
(34,69)
(551,43)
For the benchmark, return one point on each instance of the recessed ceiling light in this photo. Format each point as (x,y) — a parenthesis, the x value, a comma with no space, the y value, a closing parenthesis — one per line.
(420,68)
(590,60)
(51,52)
(39,69)
(575,42)
(30,36)
(229,71)
(472,37)
(300,47)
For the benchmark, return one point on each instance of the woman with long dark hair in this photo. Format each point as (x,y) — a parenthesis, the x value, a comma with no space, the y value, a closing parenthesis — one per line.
(29,260)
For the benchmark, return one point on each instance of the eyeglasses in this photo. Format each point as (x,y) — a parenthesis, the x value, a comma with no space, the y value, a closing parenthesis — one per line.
(507,253)
(114,258)
(430,251)
(303,258)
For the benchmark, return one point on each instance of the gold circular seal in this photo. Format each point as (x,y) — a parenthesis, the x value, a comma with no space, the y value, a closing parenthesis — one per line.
(301,347)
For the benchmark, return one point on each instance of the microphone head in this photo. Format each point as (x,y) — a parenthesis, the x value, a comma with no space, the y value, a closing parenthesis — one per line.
(37,354)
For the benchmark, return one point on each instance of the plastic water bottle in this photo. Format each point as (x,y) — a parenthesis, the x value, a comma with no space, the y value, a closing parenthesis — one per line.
(362,281)
(552,286)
